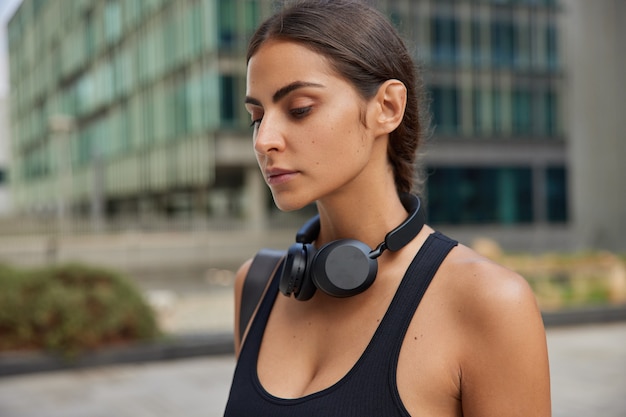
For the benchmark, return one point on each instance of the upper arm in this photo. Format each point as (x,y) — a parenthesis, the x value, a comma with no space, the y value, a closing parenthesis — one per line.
(240,278)
(504,369)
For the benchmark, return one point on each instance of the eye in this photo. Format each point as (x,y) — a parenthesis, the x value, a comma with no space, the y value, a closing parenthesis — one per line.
(256,122)
(300,112)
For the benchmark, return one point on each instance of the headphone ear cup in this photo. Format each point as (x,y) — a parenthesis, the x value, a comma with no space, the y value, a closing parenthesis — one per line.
(306,287)
(343,268)
(293,270)
(295,278)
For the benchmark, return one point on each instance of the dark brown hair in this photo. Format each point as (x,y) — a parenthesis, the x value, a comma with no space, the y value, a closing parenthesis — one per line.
(365,49)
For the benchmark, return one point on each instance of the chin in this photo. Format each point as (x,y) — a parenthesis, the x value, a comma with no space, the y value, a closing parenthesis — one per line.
(286,204)
(284,207)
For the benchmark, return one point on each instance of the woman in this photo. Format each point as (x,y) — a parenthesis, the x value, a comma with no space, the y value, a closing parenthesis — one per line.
(335,107)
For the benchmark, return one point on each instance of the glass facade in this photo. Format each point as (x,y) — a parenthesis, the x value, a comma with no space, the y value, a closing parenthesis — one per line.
(493,195)
(494,74)
(468,195)
(143,84)
(151,85)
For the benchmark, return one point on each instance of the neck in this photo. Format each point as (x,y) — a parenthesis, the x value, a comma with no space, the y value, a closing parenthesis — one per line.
(367,217)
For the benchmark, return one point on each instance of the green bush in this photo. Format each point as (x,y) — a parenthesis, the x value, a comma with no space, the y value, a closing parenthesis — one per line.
(70,308)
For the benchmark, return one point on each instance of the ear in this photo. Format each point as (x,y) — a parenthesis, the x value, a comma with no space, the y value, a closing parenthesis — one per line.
(388,106)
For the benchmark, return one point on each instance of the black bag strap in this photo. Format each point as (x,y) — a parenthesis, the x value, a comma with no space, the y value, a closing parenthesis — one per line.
(263,265)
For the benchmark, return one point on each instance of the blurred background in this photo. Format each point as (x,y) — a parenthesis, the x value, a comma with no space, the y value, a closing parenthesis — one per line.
(124,144)
(124,141)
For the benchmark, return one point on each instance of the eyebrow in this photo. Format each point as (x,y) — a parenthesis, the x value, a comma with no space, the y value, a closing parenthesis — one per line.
(283,91)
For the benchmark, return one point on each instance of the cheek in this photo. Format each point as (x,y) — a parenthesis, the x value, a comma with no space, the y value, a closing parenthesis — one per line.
(337,137)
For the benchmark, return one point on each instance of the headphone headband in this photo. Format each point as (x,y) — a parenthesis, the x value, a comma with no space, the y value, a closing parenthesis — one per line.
(394,240)
(403,234)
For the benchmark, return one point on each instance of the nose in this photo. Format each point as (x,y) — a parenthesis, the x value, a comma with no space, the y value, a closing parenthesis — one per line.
(268,137)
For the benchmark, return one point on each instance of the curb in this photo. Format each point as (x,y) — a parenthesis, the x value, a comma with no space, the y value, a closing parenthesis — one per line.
(199,345)
(586,315)
(179,347)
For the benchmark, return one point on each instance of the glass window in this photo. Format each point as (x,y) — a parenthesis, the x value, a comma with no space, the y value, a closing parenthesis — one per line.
(522,120)
(169,42)
(551,113)
(551,47)
(85,140)
(477,47)
(170,115)
(148,115)
(112,21)
(481,112)
(106,82)
(161,112)
(153,44)
(125,74)
(503,41)
(107,140)
(181,111)
(124,129)
(136,121)
(117,75)
(445,108)
(196,28)
(480,195)
(556,189)
(194,103)
(228,112)
(209,21)
(141,48)
(523,48)
(132,9)
(251,15)
(90,35)
(211,100)
(444,40)
(84,94)
(227,23)
(496,107)
(183,35)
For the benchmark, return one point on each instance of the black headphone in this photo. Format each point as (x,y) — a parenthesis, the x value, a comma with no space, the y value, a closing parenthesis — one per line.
(344,267)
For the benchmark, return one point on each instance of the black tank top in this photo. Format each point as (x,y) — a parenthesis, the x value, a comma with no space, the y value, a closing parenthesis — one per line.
(369,388)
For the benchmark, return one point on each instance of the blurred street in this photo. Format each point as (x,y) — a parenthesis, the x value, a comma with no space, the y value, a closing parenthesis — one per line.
(588,365)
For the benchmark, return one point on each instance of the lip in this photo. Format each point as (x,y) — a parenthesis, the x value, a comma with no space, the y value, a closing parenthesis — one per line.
(277,176)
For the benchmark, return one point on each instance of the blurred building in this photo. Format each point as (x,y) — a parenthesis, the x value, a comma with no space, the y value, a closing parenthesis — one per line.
(497,163)
(127,110)
(4,158)
(4,117)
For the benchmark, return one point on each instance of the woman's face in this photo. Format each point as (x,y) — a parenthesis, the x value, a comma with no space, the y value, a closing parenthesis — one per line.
(309,138)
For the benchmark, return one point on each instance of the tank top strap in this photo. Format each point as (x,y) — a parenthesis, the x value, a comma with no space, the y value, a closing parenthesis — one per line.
(252,342)
(389,337)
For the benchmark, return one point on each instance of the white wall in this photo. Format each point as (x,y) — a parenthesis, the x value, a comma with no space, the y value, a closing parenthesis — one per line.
(594,46)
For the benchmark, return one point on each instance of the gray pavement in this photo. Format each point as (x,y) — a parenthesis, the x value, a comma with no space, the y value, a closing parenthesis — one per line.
(588,366)
(588,370)
(190,388)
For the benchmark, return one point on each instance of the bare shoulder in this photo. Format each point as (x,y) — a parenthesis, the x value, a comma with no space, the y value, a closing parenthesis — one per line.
(486,292)
(503,365)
